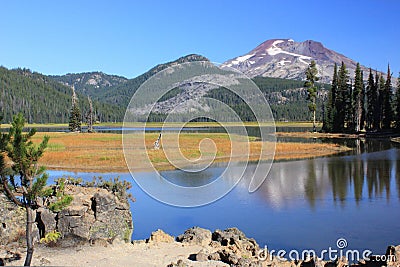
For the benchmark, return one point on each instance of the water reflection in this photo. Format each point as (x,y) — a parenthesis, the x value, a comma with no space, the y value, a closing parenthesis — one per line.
(355,177)
(346,178)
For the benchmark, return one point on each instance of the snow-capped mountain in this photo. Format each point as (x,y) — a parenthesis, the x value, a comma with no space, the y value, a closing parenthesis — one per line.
(285,58)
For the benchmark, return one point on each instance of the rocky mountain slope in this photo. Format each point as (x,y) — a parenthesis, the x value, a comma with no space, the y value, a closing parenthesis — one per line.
(90,83)
(120,94)
(285,58)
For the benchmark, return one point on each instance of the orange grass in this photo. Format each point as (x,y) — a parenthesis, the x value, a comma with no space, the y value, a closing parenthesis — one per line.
(102,152)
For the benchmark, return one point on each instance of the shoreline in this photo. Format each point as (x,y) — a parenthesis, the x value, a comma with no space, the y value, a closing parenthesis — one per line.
(195,247)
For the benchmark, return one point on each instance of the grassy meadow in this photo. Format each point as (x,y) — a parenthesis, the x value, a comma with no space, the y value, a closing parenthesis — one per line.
(103,152)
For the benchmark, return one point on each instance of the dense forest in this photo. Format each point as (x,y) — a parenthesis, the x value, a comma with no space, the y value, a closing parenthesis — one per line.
(47,99)
(349,104)
(353,106)
(43,100)
(287,99)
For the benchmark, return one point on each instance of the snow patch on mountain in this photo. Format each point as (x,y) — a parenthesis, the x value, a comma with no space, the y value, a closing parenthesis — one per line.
(285,58)
(274,50)
(242,59)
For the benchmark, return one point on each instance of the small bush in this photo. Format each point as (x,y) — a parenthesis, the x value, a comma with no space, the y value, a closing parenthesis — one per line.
(61,203)
(113,185)
(51,237)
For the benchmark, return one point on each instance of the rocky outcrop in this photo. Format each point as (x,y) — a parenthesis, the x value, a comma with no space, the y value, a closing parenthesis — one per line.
(230,246)
(94,214)
(195,247)
(12,222)
(160,236)
(195,235)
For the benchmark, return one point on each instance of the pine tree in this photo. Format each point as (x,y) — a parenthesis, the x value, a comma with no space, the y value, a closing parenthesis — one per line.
(387,111)
(397,104)
(75,124)
(22,181)
(349,109)
(24,156)
(357,98)
(311,78)
(372,98)
(381,101)
(330,110)
(378,103)
(342,98)
(363,99)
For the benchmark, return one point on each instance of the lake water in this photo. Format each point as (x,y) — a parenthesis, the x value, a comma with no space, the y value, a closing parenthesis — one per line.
(304,204)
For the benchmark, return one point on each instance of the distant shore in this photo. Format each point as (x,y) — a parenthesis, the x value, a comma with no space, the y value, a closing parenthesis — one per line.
(169,124)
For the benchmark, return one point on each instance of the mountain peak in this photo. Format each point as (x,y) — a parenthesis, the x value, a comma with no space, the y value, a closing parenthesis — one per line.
(286,58)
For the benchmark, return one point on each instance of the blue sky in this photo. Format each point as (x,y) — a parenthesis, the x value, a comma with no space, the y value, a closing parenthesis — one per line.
(129,37)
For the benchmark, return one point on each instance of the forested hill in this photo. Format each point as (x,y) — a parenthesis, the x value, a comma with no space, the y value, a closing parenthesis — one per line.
(287,99)
(122,93)
(43,100)
(90,83)
(115,89)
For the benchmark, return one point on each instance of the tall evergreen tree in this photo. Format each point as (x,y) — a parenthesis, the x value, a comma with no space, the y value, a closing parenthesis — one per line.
(330,110)
(381,101)
(75,124)
(372,98)
(342,98)
(397,104)
(311,78)
(357,98)
(378,103)
(350,109)
(387,111)
(363,99)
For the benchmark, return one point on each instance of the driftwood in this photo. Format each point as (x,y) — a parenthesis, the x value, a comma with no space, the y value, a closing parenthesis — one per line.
(157,143)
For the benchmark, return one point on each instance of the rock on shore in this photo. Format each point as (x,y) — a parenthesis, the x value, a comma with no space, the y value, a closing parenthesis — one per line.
(195,247)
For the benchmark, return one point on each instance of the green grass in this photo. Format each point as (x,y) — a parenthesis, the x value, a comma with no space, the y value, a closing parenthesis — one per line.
(104,158)
(55,147)
(106,138)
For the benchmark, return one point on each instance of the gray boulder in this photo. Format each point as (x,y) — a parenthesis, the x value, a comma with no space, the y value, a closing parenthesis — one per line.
(196,236)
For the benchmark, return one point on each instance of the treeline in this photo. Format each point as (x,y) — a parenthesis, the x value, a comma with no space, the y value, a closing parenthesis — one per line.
(354,106)
(287,99)
(43,100)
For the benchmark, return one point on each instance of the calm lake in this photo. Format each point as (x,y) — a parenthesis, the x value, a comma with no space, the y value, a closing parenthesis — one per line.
(304,204)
